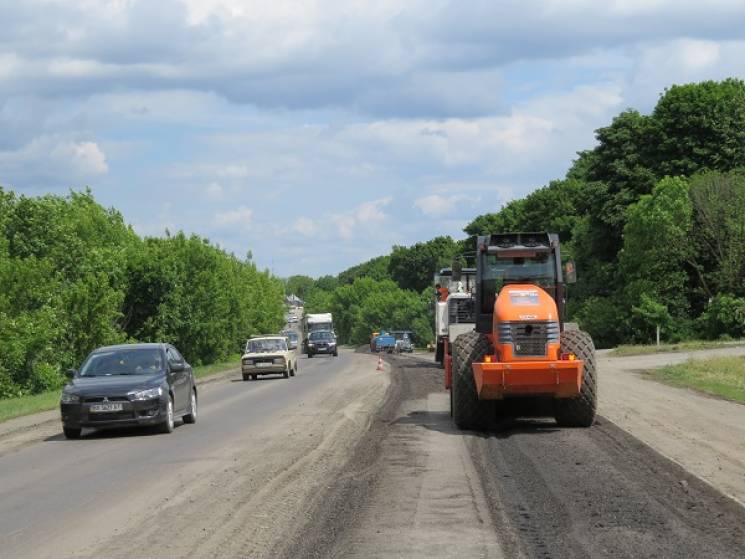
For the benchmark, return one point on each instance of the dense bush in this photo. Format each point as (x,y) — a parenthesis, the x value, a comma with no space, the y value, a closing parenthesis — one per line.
(74,276)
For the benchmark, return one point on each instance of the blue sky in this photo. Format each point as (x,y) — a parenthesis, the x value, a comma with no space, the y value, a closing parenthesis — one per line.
(318,134)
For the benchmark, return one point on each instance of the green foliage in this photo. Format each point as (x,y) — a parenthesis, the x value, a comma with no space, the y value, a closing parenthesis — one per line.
(368,305)
(700,126)
(298,285)
(604,319)
(648,315)
(551,208)
(75,277)
(654,256)
(414,267)
(375,268)
(724,316)
(719,232)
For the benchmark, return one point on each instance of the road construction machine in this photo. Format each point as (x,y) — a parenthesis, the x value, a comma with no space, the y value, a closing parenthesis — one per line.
(521,350)
(454,308)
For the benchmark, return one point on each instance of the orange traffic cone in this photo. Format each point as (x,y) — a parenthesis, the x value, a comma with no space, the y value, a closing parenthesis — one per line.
(380,363)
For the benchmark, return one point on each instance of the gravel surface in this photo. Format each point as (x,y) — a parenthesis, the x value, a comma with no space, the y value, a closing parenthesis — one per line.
(530,489)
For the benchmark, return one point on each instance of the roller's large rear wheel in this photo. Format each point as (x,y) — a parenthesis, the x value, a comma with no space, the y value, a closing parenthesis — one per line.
(468,411)
(579,411)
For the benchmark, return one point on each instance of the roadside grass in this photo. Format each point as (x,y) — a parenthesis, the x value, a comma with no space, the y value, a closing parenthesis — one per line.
(690,345)
(718,376)
(27,405)
(233,362)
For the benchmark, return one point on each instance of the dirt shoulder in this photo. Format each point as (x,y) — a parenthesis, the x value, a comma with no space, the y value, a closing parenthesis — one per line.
(705,435)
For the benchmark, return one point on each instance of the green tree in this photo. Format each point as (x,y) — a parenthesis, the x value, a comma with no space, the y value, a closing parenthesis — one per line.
(718,250)
(375,268)
(298,285)
(414,267)
(700,126)
(656,250)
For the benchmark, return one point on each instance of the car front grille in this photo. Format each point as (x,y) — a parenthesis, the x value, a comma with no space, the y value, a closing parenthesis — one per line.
(98,399)
(529,339)
(113,416)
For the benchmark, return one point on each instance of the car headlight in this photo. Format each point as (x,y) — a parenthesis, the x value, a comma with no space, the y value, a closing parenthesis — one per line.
(332,343)
(68,398)
(148,394)
(279,360)
(248,361)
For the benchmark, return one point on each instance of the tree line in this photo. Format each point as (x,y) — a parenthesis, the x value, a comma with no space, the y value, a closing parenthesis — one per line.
(654,217)
(74,276)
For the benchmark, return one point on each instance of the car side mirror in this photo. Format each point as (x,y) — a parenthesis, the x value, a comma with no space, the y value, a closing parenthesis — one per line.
(570,272)
(177,367)
(70,373)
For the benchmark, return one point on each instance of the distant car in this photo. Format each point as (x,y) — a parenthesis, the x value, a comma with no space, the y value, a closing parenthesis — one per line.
(404,346)
(129,385)
(292,339)
(322,341)
(268,355)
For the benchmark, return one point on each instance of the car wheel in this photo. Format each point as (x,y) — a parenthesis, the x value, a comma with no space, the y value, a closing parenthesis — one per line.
(310,356)
(292,372)
(192,416)
(71,432)
(286,374)
(246,376)
(167,425)
(254,377)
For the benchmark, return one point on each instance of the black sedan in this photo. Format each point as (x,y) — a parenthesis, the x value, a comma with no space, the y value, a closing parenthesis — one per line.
(129,385)
(322,342)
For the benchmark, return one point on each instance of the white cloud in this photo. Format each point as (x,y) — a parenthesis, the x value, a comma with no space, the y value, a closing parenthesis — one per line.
(240,218)
(214,191)
(85,158)
(437,205)
(53,161)
(305,226)
(363,218)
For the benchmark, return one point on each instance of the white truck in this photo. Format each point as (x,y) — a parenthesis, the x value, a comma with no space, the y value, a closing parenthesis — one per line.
(316,323)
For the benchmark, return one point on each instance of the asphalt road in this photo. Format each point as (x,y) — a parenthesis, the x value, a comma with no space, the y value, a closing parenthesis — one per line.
(530,489)
(62,498)
(346,461)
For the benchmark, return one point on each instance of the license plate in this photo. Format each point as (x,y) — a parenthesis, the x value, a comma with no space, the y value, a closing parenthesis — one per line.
(264,364)
(99,408)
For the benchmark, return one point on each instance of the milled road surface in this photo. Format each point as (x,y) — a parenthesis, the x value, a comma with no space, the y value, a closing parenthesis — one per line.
(530,489)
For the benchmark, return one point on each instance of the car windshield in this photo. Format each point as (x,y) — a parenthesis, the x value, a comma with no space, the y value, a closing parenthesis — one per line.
(139,361)
(266,345)
(292,336)
(321,336)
